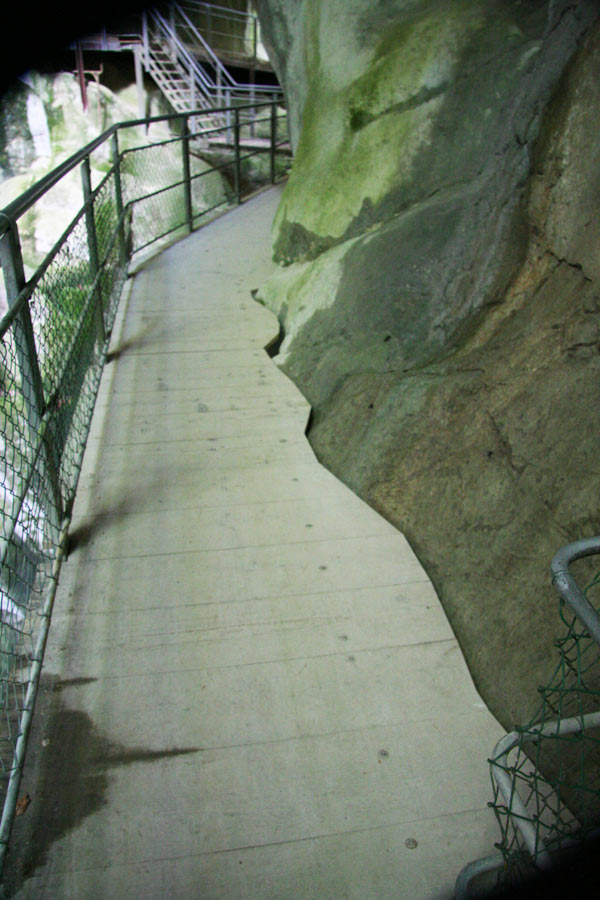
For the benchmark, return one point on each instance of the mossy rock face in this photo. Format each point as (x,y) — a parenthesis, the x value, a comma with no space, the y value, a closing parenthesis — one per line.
(438,296)
(428,101)
(416,137)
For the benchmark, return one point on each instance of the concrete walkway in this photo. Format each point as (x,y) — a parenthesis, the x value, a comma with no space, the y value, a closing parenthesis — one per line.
(251,689)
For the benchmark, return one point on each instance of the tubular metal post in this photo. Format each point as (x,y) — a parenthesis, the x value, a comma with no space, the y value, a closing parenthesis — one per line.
(145,43)
(11,261)
(273,137)
(187,185)
(173,33)
(228,113)
(139,80)
(252,111)
(86,181)
(81,75)
(568,588)
(238,171)
(192,88)
(492,863)
(119,196)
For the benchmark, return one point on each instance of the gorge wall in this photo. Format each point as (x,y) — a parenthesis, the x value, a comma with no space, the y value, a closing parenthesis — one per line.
(439,291)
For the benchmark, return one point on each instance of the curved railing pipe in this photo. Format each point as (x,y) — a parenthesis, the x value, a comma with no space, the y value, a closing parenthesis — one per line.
(570,592)
(567,587)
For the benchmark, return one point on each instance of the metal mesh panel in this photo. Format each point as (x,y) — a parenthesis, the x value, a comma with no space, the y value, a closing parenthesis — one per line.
(51,356)
(53,344)
(112,236)
(555,776)
(28,537)
(208,190)
(57,304)
(152,186)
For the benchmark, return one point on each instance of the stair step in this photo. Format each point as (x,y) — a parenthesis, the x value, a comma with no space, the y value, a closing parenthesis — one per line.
(171,74)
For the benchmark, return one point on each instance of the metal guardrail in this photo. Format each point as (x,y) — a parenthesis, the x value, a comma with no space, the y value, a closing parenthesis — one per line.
(207,29)
(232,34)
(169,48)
(53,345)
(547,796)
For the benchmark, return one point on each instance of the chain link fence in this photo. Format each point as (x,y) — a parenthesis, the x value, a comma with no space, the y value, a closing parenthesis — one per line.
(554,765)
(546,774)
(53,346)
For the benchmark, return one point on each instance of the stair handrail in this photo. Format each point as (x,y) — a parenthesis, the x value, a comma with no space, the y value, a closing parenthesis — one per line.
(227,12)
(236,86)
(208,10)
(208,89)
(214,59)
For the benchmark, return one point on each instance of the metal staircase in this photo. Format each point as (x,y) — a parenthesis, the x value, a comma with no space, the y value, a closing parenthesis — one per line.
(171,48)
(165,54)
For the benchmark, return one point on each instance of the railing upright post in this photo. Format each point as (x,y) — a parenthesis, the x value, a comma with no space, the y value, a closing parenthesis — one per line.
(173,32)
(145,42)
(192,86)
(116,160)
(273,137)
(228,113)
(252,110)
(86,181)
(187,184)
(11,261)
(238,171)
(138,53)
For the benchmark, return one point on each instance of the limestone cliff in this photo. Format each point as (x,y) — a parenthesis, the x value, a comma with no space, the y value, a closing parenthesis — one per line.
(439,291)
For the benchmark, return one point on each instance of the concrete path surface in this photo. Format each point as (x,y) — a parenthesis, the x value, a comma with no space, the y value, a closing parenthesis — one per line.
(250,689)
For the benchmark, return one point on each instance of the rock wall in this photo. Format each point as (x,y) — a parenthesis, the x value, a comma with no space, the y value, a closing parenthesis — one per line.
(439,291)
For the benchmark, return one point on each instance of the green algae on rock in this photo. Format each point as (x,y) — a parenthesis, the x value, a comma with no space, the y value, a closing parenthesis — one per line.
(439,301)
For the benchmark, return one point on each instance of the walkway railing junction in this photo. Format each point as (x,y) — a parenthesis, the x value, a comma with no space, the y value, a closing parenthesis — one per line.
(54,341)
(546,774)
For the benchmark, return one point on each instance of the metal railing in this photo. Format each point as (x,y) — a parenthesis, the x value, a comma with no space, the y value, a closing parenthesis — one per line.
(172,48)
(53,345)
(206,29)
(169,51)
(546,775)
(233,34)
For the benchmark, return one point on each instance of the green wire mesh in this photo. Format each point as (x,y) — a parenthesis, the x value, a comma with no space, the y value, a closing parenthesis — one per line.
(153,187)
(555,776)
(53,346)
(51,357)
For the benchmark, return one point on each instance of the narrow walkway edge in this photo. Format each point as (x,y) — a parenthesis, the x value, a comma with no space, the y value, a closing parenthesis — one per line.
(251,690)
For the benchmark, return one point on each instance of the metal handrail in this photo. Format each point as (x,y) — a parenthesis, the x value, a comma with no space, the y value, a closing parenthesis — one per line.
(41,377)
(188,63)
(236,86)
(212,12)
(569,591)
(210,87)
(216,62)
(568,588)
(227,12)
(14,210)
